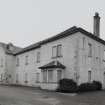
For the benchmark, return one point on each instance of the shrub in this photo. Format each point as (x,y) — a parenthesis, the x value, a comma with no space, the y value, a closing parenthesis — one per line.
(95,85)
(98,85)
(86,87)
(67,86)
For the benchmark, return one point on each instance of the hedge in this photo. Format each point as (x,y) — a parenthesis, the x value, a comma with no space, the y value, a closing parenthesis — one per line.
(67,86)
(70,86)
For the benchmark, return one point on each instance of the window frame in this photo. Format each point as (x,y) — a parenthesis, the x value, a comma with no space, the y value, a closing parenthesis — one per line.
(38,57)
(26,60)
(89,76)
(89,50)
(54,53)
(59,53)
(59,71)
(37,77)
(50,76)
(17,62)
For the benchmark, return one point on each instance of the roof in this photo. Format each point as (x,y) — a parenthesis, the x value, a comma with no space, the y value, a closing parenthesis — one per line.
(12,51)
(53,64)
(63,34)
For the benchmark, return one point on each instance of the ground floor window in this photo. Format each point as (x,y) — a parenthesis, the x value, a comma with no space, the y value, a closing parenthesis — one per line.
(44,75)
(1,77)
(50,75)
(26,78)
(89,76)
(17,77)
(37,77)
(59,75)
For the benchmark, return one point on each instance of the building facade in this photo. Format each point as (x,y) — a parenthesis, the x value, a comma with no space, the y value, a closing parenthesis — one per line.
(74,53)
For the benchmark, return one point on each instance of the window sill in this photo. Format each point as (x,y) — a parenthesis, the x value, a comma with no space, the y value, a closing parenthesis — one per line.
(56,57)
(90,56)
(50,82)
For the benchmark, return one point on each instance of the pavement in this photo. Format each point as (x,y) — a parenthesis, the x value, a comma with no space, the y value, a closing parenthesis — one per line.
(10,95)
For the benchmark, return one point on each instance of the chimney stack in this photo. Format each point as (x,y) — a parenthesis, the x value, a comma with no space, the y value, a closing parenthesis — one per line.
(97,25)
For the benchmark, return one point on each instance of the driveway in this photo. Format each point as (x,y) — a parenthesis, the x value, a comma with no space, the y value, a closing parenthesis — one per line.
(29,96)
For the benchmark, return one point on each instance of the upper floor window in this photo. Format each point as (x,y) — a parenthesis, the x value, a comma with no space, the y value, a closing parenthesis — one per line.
(104,55)
(59,48)
(1,63)
(26,61)
(38,57)
(17,62)
(54,51)
(90,50)
(57,51)
(83,43)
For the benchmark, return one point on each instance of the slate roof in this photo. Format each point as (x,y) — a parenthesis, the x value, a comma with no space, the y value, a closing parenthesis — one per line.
(53,64)
(8,51)
(63,34)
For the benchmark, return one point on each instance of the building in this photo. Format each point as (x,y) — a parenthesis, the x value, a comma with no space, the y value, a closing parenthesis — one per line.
(74,53)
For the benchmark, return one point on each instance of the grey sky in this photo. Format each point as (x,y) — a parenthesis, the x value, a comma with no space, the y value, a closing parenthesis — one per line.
(24,22)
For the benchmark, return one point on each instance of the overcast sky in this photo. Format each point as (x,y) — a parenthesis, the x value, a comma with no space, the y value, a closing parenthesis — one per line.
(24,22)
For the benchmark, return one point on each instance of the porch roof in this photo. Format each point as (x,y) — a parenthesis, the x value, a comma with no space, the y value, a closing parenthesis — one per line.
(53,64)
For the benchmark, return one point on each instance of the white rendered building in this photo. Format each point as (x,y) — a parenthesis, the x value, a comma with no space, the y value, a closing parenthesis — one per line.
(74,53)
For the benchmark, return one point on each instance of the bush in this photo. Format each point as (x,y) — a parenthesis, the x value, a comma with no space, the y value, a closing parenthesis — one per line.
(67,86)
(98,85)
(95,85)
(86,87)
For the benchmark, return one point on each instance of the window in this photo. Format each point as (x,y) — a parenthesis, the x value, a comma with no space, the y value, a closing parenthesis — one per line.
(83,43)
(17,77)
(38,57)
(56,51)
(76,77)
(104,55)
(59,75)
(90,50)
(1,77)
(59,48)
(26,78)
(1,65)
(37,77)
(17,62)
(44,75)
(89,76)
(26,61)
(50,75)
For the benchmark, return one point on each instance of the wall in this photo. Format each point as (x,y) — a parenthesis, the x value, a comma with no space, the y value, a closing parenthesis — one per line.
(74,57)
(2,67)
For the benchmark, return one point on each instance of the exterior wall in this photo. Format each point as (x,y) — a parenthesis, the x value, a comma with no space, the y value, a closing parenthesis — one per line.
(2,65)
(68,59)
(74,57)
(95,64)
(31,68)
(10,68)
